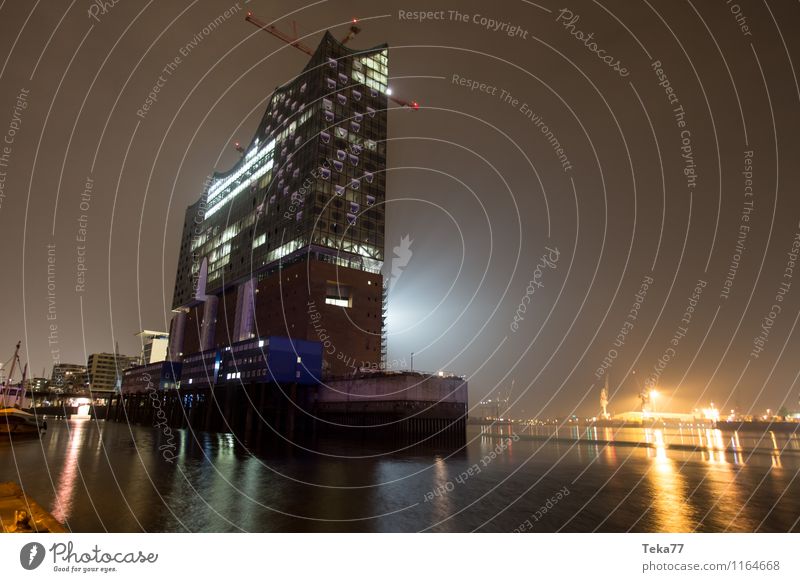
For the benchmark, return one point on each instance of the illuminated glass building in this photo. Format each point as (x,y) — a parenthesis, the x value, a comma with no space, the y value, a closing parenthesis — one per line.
(289,241)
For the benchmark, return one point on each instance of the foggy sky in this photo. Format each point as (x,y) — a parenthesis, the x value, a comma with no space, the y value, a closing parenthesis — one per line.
(472,179)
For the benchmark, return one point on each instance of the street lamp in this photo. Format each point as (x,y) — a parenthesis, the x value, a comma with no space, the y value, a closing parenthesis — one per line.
(653,396)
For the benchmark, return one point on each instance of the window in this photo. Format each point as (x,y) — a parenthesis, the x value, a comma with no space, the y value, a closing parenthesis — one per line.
(338,295)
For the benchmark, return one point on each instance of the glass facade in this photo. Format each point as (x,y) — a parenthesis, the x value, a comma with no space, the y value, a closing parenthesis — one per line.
(312,180)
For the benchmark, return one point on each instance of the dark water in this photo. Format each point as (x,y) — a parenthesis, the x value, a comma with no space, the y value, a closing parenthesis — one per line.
(112,477)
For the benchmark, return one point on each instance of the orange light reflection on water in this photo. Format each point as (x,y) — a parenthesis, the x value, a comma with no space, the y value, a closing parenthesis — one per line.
(670,508)
(65,492)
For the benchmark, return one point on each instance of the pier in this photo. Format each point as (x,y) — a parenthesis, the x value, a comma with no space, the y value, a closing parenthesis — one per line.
(397,408)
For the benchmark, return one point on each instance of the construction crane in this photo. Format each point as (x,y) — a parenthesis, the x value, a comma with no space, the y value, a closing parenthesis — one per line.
(293,40)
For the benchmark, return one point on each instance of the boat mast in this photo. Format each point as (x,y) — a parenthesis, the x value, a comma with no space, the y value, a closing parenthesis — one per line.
(21,392)
(10,373)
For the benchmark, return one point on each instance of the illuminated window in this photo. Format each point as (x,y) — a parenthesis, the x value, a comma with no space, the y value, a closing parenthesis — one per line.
(338,295)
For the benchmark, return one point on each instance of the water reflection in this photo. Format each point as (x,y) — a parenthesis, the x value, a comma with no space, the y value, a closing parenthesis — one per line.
(776,452)
(114,477)
(65,490)
(671,511)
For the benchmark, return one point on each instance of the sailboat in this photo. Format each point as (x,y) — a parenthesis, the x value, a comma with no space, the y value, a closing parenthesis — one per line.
(14,420)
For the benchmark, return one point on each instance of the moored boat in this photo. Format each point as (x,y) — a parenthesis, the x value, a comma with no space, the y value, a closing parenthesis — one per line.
(16,421)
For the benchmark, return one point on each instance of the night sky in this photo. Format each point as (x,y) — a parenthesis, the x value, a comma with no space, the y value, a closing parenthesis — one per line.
(556,163)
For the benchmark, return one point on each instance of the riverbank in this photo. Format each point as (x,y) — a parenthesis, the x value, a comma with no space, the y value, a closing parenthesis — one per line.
(21,514)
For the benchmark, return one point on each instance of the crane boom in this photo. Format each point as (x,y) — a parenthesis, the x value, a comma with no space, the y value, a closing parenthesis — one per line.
(274,31)
(296,43)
